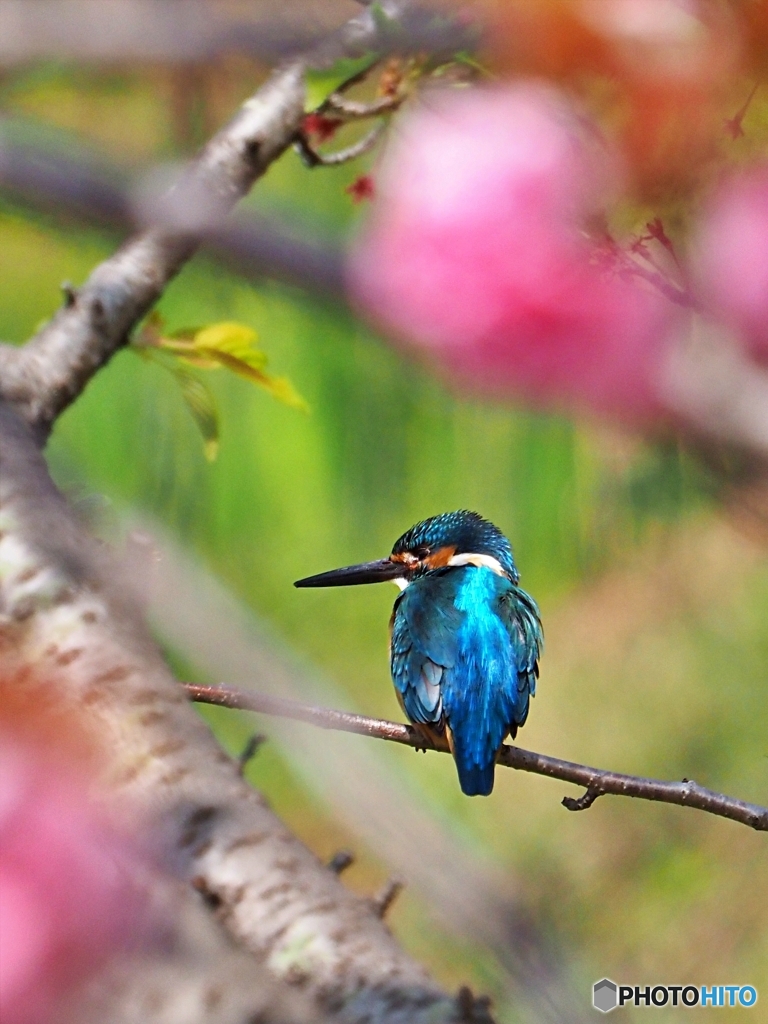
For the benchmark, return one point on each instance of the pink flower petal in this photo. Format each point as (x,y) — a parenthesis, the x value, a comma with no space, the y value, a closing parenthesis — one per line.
(476,255)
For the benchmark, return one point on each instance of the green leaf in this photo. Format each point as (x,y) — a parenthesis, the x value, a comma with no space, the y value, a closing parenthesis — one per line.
(227,344)
(197,396)
(201,403)
(235,347)
(321,83)
(233,339)
(282,389)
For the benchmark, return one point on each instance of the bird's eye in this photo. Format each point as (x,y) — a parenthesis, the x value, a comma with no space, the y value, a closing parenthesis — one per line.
(421,552)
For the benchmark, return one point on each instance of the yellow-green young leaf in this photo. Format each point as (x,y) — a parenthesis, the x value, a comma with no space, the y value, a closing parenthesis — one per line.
(282,389)
(239,366)
(233,346)
(232,339)
(225,344)
(321,83)
(202,405)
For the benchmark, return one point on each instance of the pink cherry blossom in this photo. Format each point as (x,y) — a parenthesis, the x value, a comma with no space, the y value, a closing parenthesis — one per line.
(731,257)
(67,901)
(475,253)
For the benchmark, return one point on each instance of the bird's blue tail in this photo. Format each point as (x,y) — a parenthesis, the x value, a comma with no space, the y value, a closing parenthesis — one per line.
(475,779)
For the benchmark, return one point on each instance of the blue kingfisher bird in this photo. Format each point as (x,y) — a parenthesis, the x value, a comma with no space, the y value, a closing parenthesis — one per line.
(465,639)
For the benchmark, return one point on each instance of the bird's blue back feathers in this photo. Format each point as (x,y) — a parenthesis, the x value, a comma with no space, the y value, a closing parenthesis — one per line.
(465,646)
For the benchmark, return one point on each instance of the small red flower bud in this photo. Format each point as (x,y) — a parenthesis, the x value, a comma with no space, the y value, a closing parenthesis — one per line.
(320,127)
(361,188)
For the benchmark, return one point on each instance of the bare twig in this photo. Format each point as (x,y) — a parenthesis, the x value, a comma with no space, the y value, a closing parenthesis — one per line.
(734,125)
(597,781)
(473,1009)
(340,861)
(384,899)
(311,157)
(250,750)
(354,110)
(581,803)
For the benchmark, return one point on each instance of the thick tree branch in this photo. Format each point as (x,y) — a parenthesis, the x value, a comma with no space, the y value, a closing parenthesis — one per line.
(597,781)
(135,30)
(68,631)
(72,184)
(126,31)
(190,974)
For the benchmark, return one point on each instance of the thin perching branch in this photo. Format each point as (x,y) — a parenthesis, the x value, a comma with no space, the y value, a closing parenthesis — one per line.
(311,158)
(596,781)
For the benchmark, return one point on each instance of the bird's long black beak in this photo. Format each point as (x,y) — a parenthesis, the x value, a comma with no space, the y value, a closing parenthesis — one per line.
(369,572)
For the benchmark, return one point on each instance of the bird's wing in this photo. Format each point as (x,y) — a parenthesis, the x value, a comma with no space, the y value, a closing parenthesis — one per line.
(520,615)
(424,626)
(416,677)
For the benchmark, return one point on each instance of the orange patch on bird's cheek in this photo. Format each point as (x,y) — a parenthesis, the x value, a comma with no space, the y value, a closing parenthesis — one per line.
(437,559)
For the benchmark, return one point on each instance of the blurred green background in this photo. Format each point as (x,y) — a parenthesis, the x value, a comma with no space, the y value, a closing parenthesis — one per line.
(653,590)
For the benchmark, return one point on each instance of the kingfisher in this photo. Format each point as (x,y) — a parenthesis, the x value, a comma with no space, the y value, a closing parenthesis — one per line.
(465,638)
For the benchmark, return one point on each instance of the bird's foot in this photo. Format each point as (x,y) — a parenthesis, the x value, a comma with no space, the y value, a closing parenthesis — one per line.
(425,737)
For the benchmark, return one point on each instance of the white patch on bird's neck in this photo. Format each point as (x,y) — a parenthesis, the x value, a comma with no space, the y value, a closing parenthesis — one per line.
(401,583)
(470,558)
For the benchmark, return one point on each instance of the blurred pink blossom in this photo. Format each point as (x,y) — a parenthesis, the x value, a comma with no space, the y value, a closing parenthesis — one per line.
(731,257)
(67,901)
(476,253)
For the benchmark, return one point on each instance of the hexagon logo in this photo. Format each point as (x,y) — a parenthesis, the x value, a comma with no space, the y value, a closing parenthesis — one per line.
(605,995)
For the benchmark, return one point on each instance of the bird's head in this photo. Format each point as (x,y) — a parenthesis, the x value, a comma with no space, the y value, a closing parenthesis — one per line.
(448,540)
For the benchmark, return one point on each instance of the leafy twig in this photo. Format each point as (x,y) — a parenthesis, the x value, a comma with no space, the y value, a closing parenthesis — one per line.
(42,378)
